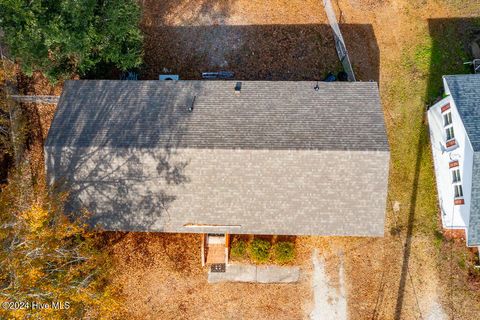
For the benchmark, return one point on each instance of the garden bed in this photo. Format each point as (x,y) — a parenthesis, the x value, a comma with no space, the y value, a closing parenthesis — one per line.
(263,249)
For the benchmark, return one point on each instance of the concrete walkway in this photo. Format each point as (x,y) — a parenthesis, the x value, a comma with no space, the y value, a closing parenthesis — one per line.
(252,273)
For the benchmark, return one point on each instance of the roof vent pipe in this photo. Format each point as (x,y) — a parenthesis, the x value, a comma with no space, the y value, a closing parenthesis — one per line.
(190,107)
(238,88)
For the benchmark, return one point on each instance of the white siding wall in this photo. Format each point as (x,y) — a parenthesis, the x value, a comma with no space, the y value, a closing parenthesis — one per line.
(453,216)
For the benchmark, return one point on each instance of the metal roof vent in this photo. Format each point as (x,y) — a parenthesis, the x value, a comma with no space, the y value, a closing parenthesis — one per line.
(191,105)
(238,88)
(168,77)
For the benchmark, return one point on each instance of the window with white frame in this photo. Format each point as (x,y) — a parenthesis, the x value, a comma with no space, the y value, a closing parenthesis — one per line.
(449,132)
(456,176)
(447,119)
(458,191)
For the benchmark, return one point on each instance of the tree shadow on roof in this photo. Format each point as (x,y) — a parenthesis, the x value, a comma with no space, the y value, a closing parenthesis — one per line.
(115,186)
(124,184)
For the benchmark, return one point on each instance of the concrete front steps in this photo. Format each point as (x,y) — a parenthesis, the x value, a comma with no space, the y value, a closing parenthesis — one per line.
(253,273)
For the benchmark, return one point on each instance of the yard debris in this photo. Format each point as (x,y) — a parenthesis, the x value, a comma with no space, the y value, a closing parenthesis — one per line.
(218,75)
(396,206)
(130,75)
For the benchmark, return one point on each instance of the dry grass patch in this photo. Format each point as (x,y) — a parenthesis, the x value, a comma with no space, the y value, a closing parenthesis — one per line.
(162,278)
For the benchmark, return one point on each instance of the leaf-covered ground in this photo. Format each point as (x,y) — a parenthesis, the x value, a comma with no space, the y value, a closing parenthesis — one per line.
(257,40)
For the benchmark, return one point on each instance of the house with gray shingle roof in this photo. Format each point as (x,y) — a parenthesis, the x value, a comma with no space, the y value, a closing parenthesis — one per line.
(249,157)
(455,137)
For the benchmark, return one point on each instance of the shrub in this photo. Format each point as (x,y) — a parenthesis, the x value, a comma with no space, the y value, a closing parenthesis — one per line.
(284,252)
(259,250)
(238,249)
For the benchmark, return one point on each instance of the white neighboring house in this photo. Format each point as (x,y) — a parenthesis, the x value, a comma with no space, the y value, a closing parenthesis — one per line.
(455,137)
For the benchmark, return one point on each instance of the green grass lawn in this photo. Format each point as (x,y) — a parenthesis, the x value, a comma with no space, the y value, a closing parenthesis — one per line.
(441,49)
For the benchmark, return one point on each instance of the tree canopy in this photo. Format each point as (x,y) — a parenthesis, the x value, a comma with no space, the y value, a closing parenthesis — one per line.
(50,259)
(65,37)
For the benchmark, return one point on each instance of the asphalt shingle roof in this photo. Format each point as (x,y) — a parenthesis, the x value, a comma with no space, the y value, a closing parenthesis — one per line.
(279,158)
(473,234)
(265,115)
(465,92)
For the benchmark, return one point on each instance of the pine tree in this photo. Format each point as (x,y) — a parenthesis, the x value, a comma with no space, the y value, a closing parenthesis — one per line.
(65,37)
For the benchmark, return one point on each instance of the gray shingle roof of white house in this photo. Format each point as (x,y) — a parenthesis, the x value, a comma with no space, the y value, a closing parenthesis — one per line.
(465,92)
(277,158)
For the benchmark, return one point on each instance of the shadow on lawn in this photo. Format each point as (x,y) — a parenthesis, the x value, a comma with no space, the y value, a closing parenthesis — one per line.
(449,50)
(257,52)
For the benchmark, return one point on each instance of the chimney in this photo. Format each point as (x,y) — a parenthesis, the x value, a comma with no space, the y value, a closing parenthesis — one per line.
(238,88)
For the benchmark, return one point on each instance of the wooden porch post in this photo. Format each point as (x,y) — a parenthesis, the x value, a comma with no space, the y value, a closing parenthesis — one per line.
(203,250)
(227,246)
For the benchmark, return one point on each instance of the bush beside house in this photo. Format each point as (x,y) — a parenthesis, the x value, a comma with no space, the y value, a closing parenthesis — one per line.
(262,251)
(284,252)
(259,250)
(238,249)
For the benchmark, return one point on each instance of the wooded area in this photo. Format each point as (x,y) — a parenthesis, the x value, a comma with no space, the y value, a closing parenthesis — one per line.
(49,257)
(64,38)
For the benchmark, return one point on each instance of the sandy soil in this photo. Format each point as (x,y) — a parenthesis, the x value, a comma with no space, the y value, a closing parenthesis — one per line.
(330,302)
